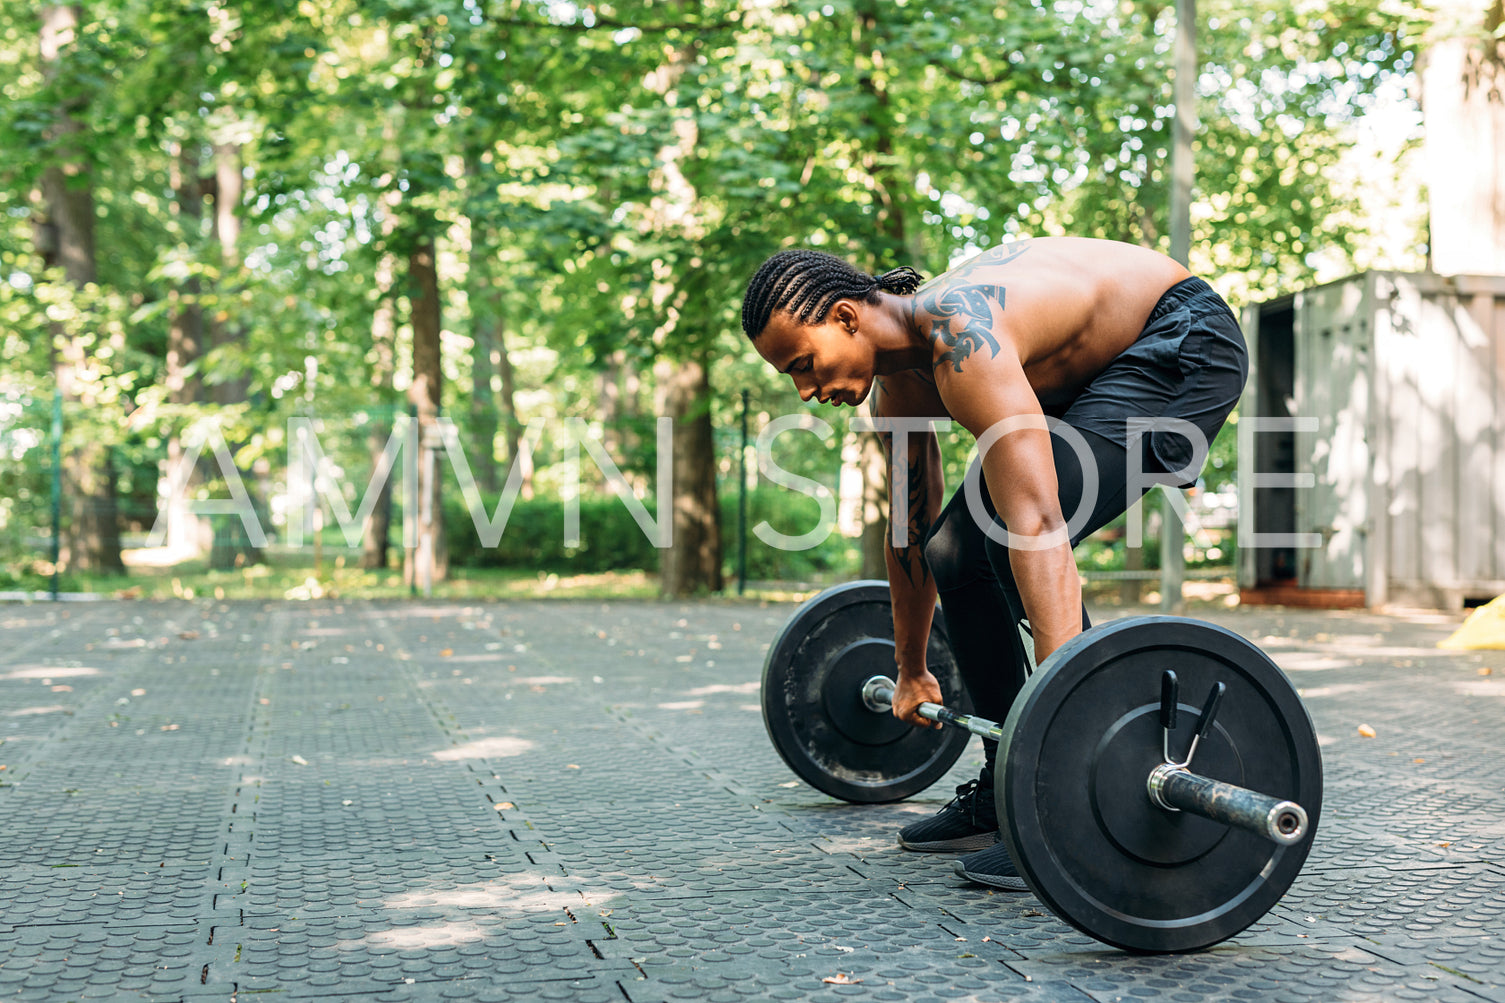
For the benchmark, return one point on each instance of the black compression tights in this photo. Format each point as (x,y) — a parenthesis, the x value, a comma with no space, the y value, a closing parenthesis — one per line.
(979,598)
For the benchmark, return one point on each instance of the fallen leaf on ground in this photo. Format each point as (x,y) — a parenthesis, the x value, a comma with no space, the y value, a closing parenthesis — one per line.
(1486,671)
(446,652)
(1366,731)
(188,635)
(841,979)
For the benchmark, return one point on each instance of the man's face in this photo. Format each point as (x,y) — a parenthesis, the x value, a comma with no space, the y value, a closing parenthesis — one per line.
(830,361)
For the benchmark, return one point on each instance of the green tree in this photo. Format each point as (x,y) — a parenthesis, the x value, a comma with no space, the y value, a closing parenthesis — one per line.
(62,149)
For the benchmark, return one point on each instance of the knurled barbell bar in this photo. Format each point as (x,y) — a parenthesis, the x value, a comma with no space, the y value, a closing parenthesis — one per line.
(1170,785)
(1111,830)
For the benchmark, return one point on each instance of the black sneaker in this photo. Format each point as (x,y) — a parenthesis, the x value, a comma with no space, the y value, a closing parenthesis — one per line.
(993,867)
(967,823)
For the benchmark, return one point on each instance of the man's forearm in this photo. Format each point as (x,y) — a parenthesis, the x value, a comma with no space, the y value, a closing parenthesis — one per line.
(916,481)
(1051,591)
(913,592)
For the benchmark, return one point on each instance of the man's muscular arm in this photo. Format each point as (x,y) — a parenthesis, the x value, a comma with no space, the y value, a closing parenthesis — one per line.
(916,489)
(985,388)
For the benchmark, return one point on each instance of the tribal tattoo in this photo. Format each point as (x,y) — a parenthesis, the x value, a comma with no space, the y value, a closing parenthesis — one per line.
(963,312)
(911,557)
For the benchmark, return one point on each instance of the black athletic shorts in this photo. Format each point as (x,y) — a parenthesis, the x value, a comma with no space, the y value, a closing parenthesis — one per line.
(1189,364)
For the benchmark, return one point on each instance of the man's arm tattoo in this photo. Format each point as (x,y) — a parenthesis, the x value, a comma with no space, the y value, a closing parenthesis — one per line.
(964,322)
(963,313)
(910,558)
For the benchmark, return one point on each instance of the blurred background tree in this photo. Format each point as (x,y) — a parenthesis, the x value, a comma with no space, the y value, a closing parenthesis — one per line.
(499,212)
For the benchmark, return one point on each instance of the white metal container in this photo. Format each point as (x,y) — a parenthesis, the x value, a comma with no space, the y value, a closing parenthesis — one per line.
(1373,471)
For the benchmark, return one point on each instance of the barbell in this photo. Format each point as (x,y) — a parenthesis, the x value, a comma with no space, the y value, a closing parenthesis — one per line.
(1097,798)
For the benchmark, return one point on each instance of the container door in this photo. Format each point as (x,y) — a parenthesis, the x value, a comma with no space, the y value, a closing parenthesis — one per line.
(1333,371)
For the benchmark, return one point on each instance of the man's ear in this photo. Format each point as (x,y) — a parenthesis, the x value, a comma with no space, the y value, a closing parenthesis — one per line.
(845,314)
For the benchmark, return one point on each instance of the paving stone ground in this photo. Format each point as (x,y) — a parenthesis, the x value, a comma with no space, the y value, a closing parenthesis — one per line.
(577,801)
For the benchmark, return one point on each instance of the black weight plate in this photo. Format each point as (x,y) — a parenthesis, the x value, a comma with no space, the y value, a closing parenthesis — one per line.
(1078,746)
(812,699)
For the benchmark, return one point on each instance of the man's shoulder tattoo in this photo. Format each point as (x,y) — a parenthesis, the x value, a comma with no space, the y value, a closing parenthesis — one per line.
(962,313)
(962,321)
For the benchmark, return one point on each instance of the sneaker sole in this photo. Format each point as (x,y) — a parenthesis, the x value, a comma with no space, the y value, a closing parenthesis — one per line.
(959,844)
(1008,884)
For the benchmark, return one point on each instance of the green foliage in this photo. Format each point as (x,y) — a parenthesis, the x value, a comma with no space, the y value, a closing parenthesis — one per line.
(1221,469)
(792,514)
(25,504)
(601,180)
(534,537)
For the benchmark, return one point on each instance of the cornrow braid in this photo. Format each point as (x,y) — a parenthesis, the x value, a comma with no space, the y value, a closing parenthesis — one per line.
(901,281)
(807,283)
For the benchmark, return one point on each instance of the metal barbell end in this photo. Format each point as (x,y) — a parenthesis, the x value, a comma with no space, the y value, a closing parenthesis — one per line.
(1175,788)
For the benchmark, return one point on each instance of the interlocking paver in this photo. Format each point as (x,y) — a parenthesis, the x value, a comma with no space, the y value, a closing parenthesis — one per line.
(529,801)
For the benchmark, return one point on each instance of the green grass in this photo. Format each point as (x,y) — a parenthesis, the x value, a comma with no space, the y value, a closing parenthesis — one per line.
(293,576)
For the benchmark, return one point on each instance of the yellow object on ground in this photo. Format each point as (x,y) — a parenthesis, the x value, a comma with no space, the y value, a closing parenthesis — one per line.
(1484,628)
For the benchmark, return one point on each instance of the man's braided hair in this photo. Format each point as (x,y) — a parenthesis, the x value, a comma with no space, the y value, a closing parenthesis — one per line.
(807,283)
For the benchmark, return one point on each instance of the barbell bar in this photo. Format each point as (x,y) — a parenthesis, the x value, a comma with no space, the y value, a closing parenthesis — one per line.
(1170,785)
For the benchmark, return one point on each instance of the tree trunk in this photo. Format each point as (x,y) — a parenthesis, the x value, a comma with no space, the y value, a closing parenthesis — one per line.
(186,532)
(65,238)
(511,422)
(891,248)
(376,532)
(693,563)
(378,526)
(484,423)
(485,331)
(229,189)
(878,160)
(428,562)
(1463,114)
(185,330)
(231,548)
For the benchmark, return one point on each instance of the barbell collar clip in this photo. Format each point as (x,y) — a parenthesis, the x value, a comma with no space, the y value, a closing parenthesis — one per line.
(1209,713)
(1170,696)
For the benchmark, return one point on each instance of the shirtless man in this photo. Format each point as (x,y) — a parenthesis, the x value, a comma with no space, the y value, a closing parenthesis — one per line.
(1088,370)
